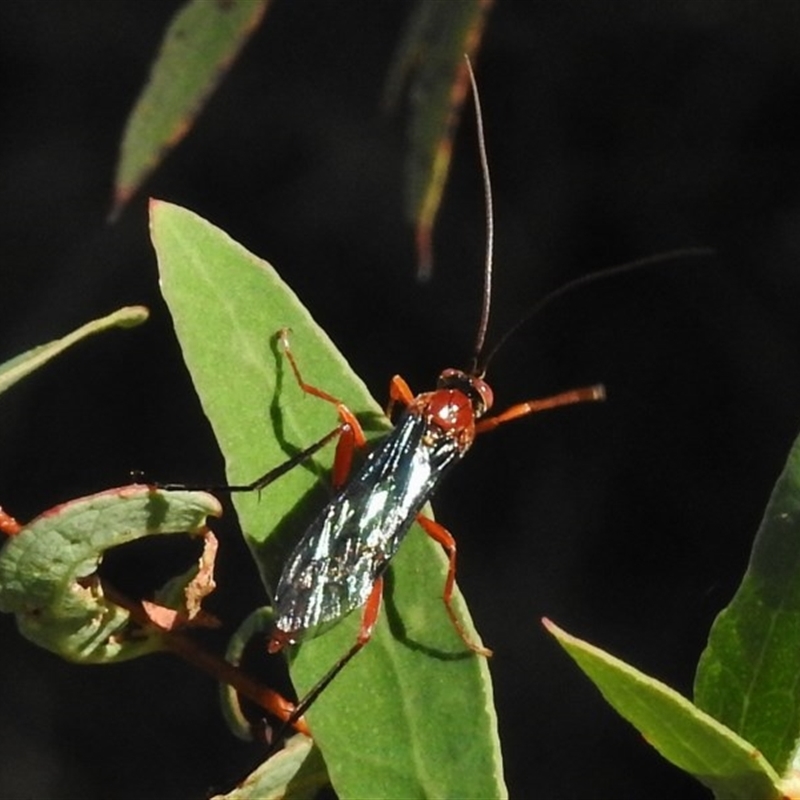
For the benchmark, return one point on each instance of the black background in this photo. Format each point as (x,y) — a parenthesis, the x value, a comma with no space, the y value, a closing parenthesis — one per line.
(615,131)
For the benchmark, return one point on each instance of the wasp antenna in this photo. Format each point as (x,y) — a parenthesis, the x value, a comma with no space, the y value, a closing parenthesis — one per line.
(594,277)
(487,193)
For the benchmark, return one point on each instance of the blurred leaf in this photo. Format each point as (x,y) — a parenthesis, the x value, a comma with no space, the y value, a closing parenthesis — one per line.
(48,570)
(22,365)
(432,49)
(747,676)
(294,773)
(691,739)
(412,714)
(199,47)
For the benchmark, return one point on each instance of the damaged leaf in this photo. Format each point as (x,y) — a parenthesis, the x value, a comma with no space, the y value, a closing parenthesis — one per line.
(48,570)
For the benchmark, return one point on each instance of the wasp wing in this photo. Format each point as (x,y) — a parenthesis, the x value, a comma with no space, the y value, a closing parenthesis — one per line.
(334,566)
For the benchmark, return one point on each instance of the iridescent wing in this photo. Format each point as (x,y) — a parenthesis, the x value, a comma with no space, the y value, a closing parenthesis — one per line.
(335,564)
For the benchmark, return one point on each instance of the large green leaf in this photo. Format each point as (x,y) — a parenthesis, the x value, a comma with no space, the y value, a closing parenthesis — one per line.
(691,739)
(412,715)
(200,45)
(22,365)
(747,676)
(47,569)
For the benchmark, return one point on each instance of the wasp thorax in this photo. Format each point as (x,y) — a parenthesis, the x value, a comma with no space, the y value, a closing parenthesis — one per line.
(451,408)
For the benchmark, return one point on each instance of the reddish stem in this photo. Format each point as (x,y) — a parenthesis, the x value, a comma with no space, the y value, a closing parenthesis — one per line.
(8,524)
(213,665)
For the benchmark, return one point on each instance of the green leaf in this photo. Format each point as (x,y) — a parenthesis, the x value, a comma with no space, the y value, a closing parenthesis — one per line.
(691,739)
(47,570)
(293,773)
(747,676)
(412,714)
(22,365)
(201,43)
(433,47)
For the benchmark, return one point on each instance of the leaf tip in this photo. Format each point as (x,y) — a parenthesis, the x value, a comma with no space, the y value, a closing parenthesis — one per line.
(117,204)
(131,316)
(560,635)
(155,208)
(424,243)
(550,626)
(120,198)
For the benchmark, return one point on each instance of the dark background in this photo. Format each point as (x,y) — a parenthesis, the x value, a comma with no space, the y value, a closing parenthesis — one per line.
(615,131)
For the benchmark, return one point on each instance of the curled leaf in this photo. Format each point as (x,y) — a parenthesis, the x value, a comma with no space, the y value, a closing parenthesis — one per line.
(259,622)
(48,570)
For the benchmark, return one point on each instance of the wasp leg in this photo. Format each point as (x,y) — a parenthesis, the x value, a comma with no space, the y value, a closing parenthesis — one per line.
(441,535)
(399,392)
(368,619)
(268,477)
(352,434)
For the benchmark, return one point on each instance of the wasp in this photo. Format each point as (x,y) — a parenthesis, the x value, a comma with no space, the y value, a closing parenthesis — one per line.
(338,564)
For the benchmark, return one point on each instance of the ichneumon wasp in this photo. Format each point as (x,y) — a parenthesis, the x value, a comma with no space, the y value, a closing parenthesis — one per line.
(339,563)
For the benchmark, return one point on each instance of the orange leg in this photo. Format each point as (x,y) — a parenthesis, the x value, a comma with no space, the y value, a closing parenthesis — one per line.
(586,394)
(8,525)
(399,392)
(372,608)
(441,535)
(352,434)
